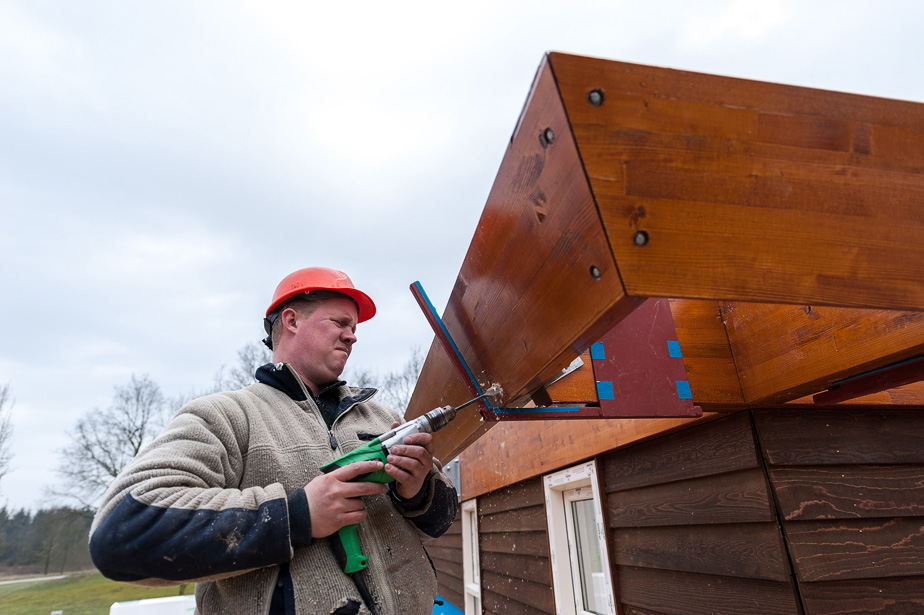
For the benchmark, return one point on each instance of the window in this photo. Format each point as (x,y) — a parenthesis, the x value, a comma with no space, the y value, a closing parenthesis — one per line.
(471,568)
(580,561)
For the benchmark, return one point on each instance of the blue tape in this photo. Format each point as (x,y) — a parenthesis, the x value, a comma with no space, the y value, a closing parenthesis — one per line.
(596,351)
(673,349)
(683,389)
(605,389)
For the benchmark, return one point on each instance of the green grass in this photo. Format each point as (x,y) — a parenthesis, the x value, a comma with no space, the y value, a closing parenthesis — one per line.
(85,593)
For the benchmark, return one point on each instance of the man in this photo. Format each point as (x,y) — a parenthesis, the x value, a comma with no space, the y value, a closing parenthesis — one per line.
(231,496)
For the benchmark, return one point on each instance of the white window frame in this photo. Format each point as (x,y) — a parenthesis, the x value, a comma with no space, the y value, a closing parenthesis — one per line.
(471,564)
(563,581)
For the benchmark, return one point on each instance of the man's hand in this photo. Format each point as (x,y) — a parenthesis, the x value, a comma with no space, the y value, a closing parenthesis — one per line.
(409,463)
(334,502)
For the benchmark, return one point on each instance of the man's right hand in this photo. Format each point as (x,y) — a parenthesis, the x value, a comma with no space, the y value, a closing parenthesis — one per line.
(334,501)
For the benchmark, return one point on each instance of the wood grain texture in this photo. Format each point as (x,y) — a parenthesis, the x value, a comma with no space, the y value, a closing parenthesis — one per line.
(849,492)
(535,568)
(707,354)
(751,191)
(857,549)
(725,445)
(735,497)
(512,452)
(748,550)
(822,437)
(784,352)
(526,303)
(685,593)
(864,596)
(494,603)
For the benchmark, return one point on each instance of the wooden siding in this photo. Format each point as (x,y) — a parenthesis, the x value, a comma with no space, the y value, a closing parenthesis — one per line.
(516,576)
(693,526)
(849,487)
(446,554)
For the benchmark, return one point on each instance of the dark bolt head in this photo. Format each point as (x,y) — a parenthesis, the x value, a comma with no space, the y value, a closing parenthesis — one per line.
(595,97)
(640,238)
(549,135)
(595,272)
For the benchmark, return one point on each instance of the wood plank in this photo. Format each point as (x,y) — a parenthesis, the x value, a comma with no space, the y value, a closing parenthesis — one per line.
(707,354)
(747,550)
(522,543)
(846,492)
(514,496)
(856,548)
(513,452)
(536,595)
(685,593)
(732,180)
(532,568)
(578,387)
(784,352)
(735,497)
(525,519)
(539,284)
(910,396)
(862,596)
(498,604)
(725,445)
(839,437)
(446,554)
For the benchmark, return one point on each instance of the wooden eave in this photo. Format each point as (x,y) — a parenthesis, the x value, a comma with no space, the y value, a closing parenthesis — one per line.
(786,225)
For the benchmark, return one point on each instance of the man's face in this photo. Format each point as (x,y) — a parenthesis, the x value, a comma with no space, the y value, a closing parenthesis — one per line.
(323,341)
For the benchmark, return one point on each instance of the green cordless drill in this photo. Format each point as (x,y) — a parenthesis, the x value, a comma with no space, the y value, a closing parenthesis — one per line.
(348,549)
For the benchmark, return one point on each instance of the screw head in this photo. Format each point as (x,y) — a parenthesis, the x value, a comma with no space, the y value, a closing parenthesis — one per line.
(640,238)
(595,272)
(595,97)
(549,135)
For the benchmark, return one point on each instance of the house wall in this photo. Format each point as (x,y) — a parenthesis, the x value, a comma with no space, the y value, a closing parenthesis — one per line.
(770,511)
(446,554)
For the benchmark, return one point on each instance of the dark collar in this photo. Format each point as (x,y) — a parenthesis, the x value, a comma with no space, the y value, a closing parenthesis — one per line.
(280,377)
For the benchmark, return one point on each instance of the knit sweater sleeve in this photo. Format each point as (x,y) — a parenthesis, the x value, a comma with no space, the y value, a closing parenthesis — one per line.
(175,513)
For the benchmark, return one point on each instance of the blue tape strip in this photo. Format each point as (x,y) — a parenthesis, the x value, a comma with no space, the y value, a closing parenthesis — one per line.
(605,389)
(683,389)
(673,349)
(596,351)
(536,410)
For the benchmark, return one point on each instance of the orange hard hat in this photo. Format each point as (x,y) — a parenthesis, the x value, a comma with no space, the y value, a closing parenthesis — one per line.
(309,279)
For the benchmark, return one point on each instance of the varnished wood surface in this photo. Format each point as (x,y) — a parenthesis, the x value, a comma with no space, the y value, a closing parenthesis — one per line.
(862,596)
(669,591)
(749,550)
(539,284)
(783,352)
(751,191)
(515,557)
(511,452)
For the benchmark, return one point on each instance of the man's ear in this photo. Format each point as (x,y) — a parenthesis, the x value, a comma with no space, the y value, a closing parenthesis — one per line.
(289,319)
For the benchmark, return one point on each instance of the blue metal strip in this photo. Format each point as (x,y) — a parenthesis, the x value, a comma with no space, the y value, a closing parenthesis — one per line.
(673,349)
(537,410)
(452,343)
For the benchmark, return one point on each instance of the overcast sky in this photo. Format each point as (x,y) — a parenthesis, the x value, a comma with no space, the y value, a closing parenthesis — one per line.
(164,164)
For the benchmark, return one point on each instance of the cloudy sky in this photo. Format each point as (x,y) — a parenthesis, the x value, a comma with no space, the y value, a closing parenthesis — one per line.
(164,164)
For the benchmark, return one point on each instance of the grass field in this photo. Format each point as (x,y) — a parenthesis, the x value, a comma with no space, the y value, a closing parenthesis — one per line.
(86,593)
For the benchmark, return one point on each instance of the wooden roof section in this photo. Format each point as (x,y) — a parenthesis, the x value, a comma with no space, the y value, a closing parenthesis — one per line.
(785,224)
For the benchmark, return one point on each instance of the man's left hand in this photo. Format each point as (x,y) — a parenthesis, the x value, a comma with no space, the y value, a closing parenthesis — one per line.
(409,463)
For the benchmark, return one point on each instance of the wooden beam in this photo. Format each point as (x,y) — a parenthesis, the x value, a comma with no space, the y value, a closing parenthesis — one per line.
(751,191)
(539,284)
(784,352)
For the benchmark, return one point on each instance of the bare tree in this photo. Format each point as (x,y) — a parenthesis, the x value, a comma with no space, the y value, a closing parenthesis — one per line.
(395,388)
(103,442)
(249,357)
(6,429)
